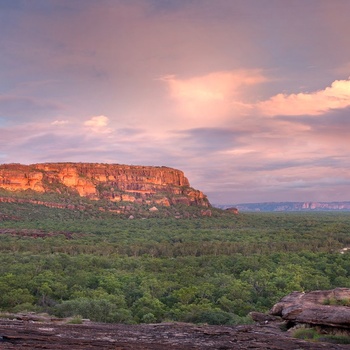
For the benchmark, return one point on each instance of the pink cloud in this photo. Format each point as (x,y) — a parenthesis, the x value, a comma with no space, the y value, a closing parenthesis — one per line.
(315,103)
(209,98)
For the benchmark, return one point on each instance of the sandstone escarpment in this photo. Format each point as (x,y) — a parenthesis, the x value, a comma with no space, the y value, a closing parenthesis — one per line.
(113,182)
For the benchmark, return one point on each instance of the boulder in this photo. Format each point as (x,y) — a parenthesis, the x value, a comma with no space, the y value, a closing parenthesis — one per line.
(317,308)
(233,210)
(207,212)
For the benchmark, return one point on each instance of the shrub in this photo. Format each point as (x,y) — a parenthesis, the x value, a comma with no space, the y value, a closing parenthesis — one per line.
(100,310)
(76,320)
(149,318)
(306,334)
(25,307)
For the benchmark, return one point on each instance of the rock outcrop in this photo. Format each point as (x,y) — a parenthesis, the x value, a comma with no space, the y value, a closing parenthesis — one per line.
(37,333)
(233,210)
(114,182)
(322,308)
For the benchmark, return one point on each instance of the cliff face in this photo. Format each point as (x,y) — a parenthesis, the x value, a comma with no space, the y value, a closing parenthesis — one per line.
(115,182)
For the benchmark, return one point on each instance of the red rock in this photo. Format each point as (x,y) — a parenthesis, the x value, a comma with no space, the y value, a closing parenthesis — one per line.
(114,182)
(233,210)
(207,212)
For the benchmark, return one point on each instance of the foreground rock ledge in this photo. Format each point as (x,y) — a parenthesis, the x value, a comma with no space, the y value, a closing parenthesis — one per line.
(312,309)
(32,334)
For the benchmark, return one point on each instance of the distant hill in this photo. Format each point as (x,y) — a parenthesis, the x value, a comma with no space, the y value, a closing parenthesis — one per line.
(289,206)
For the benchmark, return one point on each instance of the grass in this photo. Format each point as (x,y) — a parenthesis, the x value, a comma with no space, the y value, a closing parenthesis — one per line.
(311,334)
(338,302)
(77,319)
(336,339)
(306,334)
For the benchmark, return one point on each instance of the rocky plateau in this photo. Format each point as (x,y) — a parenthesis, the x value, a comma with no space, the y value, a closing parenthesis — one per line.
(113,182)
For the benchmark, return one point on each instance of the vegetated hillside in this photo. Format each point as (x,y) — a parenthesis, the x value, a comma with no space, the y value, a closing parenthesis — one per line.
(290,206)
(113,182)
(198,269)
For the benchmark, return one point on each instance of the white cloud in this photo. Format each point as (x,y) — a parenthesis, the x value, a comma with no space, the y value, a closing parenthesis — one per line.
(60,122)
(98,124)
(315,103)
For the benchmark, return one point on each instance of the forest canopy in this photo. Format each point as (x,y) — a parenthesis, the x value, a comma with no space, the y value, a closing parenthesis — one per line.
(201,269)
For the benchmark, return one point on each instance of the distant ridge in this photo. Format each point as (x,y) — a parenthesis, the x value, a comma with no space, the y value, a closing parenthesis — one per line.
(289,206)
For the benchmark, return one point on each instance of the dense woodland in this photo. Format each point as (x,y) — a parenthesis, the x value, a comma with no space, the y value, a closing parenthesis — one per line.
(158,268)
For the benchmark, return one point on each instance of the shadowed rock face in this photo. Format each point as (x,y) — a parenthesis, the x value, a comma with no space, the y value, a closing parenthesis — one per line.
(115,182)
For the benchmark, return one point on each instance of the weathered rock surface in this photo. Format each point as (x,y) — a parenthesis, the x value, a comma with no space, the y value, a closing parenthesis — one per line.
(32,333)
(143,184)
(309,308)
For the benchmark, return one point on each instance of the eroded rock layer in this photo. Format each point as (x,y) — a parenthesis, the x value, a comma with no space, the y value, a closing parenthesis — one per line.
(37,333)
(325,308)
(115,182)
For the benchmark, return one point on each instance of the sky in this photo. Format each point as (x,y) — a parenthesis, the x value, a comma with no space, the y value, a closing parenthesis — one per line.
(250,98)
